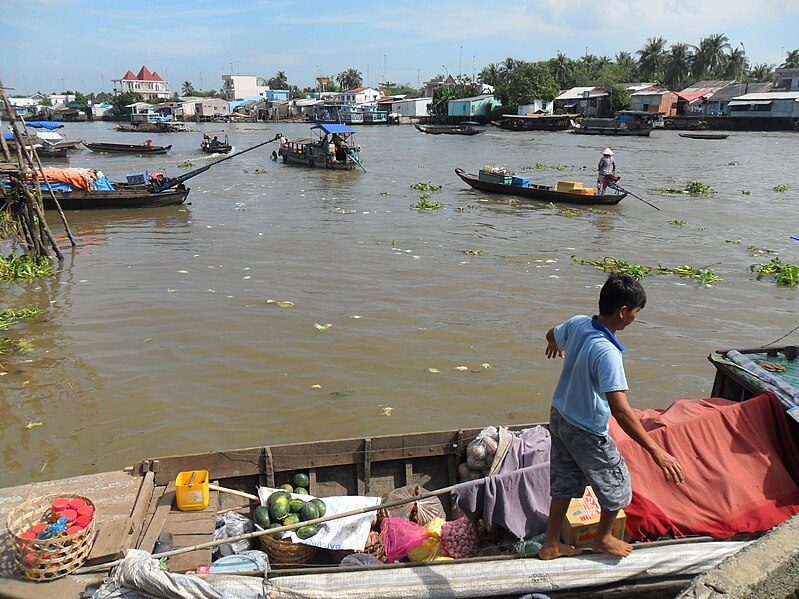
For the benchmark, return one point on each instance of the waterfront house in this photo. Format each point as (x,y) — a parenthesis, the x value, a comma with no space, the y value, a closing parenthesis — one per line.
(148,84)
(588,101)
(691,100)
(412,108)
(208,108)
(655,100)
(774,105)
(472,107)
(718,102)
(786,79)
(537,106)
(360,96)
(142,112)
(237,87)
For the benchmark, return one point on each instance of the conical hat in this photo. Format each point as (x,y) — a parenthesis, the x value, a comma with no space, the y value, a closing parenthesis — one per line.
(607,152)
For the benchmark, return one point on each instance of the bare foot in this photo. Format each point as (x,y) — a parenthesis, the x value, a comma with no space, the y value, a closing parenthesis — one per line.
(559,550)
(612,546)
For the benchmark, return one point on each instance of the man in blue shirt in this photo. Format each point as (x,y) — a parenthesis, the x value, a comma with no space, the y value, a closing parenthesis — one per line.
(592,387)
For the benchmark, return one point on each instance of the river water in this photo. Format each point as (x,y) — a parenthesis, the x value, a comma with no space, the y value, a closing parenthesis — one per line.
(158,335)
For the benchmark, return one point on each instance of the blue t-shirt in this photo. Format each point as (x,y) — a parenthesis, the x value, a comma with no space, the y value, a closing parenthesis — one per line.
(591,368)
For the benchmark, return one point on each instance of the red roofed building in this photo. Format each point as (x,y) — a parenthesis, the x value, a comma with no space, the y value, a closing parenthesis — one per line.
(147,83)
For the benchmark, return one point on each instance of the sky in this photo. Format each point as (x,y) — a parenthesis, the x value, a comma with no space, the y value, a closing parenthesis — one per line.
(57,45)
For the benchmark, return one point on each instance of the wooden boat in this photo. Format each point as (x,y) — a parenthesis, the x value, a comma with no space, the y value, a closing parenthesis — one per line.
(626,122)
(145,148)
(464,128)
(704,135)
(539,192)
(332,148)
(535,122)
(213,145)
(137,505)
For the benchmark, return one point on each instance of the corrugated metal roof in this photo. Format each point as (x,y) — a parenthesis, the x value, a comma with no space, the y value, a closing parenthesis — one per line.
(770,96)
(576,93)
(691,96)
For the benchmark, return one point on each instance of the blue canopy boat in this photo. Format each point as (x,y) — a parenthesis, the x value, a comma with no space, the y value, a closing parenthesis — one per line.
(331,148)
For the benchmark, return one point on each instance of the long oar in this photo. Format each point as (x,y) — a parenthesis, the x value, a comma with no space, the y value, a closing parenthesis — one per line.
(619,188)
(356,161)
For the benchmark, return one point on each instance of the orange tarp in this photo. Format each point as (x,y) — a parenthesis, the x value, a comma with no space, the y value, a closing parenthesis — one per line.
(77,178)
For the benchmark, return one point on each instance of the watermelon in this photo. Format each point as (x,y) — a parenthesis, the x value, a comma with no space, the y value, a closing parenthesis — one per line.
(310,511)
(296,505)
(287,487)
(279,505)
(320,505)
(306,532)
(291,519)
(261,516)
(301,480)
(301,491)
(276,535)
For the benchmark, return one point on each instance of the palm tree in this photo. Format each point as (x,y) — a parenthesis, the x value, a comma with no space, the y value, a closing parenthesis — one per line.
(490,74)
(349,79)
(561,67)
(710,55)
(762,72)
(736,65)
(279,81)
(625,59)
(506,67)
(650,63)
(187,89)
(791,60)
(677,66)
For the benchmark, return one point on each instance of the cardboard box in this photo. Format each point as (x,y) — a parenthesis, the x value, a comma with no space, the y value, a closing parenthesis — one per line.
(582,520)
(569,186)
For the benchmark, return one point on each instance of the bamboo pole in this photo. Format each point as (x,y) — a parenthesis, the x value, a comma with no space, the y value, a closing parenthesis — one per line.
(260,533)
(214,487)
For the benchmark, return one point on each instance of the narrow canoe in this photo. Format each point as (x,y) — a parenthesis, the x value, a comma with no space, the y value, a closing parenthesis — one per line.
(126,148)
(704,135)
(122,196)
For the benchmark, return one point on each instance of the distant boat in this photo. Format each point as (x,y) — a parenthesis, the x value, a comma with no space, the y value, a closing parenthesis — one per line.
(214,146)
(704,135)
(145,148)
(535,122)
(331,149)
(464,128)
(626,122)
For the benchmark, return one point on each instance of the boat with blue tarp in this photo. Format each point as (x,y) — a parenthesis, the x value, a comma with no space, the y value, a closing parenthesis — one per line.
(331,147)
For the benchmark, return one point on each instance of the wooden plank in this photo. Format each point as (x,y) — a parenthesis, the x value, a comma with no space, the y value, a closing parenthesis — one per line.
(140,507)
(220,464)
(192,528)
(156,525)
(186,562)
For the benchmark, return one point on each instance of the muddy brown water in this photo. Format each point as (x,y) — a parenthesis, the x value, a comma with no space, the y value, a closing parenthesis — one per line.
(158,336)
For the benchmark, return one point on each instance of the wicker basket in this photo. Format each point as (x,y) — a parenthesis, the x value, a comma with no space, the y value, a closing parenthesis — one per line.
(287,552)
(53,558)
(374,547)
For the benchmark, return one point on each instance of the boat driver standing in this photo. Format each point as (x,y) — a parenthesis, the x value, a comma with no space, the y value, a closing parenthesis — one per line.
(607,171)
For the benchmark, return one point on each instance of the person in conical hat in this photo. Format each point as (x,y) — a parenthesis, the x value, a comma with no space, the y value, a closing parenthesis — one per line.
(607,171)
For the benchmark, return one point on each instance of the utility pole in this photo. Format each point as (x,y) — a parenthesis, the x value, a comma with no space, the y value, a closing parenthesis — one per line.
(460,60)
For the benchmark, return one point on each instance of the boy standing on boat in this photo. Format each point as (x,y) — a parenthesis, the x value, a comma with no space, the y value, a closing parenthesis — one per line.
(593,386)
(607,168)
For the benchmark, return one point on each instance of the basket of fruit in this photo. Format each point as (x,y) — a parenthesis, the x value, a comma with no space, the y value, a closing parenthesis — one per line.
(51,535)
(281,510)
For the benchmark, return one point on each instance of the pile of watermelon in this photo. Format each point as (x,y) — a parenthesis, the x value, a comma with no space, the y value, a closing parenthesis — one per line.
(282,510)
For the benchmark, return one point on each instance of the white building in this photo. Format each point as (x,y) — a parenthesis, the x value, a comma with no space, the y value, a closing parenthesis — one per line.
(770,104)
(238,87)
(145,83)
(360,95)
(413,107)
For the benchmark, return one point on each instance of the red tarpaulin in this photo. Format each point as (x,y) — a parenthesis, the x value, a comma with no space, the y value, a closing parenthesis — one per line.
(740,461)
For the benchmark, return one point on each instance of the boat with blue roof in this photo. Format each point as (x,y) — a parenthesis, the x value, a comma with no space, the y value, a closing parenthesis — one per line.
(332,147)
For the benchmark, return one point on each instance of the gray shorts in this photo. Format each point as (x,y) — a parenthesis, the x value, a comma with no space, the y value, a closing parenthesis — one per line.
(579,458)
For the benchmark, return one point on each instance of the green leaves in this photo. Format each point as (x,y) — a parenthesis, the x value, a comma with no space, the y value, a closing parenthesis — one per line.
(24,267)
(786,275)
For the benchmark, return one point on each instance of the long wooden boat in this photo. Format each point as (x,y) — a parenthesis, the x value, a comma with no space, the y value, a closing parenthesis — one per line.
(332,148)
(122,196)
(213,145)
(539,192)
(626,123)
(465,128)
(535,122)
(136,506)
(113,148)
(704,135)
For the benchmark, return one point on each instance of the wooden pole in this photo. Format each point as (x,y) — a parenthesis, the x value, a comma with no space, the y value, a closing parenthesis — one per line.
(269,531)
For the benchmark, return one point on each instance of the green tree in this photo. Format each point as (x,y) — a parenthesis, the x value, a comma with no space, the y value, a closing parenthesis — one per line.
(625,60)
(279,81)
(527,82)
(561,68)
(490,74)
(187,89)
(677,66)
(736,65)
(619,98)
(124,99)
(791,60)
(350,79)
(762,72)
(443,94)
(651,59)
(81,101)
(710,56)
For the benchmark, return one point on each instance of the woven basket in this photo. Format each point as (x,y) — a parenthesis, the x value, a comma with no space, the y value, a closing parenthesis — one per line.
(374,547)
(43,560)
(287,552)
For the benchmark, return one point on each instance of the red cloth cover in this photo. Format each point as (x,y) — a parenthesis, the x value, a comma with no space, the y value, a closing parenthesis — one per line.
(741,466)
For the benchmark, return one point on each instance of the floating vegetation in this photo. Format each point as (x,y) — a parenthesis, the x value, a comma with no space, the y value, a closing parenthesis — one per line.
(678,223)
(639,271)
(424,203)
(24,267)
(261,171)
(384,194)
(692,187)
(786,275)
(668,189)
(20,346)
(757,250)
(426,187)
(746,192)
(186,164)
(8,317)
(733,163)
(733,240)
(473,252)
(581,211)
(781,188)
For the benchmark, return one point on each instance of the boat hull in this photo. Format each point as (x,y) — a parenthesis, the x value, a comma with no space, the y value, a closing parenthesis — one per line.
(126,148)
(612,131)
(122,197)
(536,193)
(448,130)
(531,123)
(704,135)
